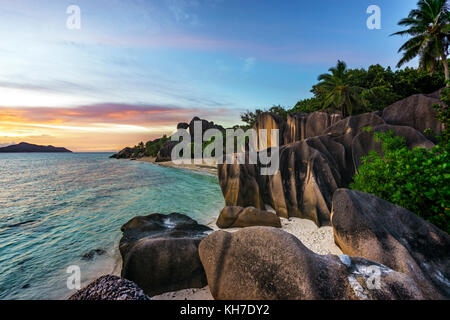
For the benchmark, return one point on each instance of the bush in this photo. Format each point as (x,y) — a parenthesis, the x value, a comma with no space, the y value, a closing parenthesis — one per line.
(152,147)
(418,180)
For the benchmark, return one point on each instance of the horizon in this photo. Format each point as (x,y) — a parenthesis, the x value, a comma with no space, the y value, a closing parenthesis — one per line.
(135,69)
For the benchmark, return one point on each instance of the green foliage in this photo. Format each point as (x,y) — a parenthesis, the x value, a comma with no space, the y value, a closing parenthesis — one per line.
(428,27)
(379,96)
(152,147)
(338,91)
(444,116)
(418,180)
(382,87)
(307,105)
(249,117)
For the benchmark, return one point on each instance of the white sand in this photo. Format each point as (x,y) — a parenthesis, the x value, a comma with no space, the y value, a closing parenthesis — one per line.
(204,168)
(186,294)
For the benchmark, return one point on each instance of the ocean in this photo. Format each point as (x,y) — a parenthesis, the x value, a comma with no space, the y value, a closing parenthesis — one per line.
(55,208)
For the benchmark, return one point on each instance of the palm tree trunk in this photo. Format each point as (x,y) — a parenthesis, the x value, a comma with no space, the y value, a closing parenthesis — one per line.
(444,62)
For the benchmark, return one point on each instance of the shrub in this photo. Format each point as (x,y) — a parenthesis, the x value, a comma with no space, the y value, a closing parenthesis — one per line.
(418,180)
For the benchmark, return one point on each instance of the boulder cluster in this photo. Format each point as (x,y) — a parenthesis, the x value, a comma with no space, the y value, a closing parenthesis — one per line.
(388,251)
(320,153)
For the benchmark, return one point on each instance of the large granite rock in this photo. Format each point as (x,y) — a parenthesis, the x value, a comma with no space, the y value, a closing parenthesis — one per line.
(302,187)
(365,141)
(206,125)
(183,126)
(415,111)
(296,127)
(318,122)
(269,121)
(125,153)
(262,263)
(372,228)
(310,170)
(160,253)
(241,185)
(238,217)
(110,287)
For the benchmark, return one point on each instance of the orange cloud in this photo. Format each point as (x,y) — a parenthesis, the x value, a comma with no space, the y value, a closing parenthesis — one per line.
(99,127)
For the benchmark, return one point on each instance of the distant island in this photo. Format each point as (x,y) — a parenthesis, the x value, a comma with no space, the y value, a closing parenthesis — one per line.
(28,147)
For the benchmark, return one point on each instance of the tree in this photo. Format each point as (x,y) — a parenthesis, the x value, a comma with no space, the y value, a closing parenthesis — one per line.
(339,92)
(429,27)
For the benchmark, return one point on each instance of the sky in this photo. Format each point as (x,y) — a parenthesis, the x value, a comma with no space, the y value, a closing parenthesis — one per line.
(135,68)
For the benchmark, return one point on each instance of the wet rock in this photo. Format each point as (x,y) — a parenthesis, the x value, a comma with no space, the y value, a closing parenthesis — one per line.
(160,253)
(110,287)
(91,254)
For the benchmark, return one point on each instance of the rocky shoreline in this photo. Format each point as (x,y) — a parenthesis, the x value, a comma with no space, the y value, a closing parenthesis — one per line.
(300,234)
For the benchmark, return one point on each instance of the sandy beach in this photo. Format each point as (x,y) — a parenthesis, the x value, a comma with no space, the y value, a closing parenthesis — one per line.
(318,240)
(204,168)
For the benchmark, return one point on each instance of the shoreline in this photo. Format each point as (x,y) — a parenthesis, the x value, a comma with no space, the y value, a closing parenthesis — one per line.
(205,168)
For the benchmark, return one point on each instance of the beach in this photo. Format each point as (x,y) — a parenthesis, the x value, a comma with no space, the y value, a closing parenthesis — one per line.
(319,240)
(203,168)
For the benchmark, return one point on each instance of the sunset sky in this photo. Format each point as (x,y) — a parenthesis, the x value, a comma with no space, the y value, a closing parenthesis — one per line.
(138,67)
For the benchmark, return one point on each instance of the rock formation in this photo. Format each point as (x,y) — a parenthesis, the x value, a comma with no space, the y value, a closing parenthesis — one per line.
(310,170)
(238,217)
(415,111)
(160,253)
(110,288)
(372,228)
(165,154)
(206,125)
(262,263)
(269,121)
(365,141)
(297,126)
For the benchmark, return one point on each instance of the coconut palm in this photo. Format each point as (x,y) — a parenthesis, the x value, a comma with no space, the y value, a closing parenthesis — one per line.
(429,28)
(339,93)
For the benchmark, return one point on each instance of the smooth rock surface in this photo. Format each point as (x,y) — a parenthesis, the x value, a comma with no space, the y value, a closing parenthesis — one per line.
(372,228)
(262,263)
(238,217)
(160,253)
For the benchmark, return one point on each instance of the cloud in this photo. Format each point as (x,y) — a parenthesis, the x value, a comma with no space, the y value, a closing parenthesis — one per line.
(111,113)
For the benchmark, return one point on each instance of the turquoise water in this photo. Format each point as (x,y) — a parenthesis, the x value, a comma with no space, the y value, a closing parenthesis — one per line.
(54,208)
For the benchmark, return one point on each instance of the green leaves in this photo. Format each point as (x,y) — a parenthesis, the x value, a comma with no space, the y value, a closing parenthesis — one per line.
(428,27)
(418,180)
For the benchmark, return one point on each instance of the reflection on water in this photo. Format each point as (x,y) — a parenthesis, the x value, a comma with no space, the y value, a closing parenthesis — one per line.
(55,208)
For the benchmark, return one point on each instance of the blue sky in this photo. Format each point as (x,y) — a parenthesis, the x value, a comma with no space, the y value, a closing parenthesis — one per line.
(178,58)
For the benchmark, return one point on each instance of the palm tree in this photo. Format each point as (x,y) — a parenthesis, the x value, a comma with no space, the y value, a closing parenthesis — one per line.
(339,92)
(429,27)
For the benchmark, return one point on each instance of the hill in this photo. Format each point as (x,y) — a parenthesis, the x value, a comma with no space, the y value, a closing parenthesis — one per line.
(27,147)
